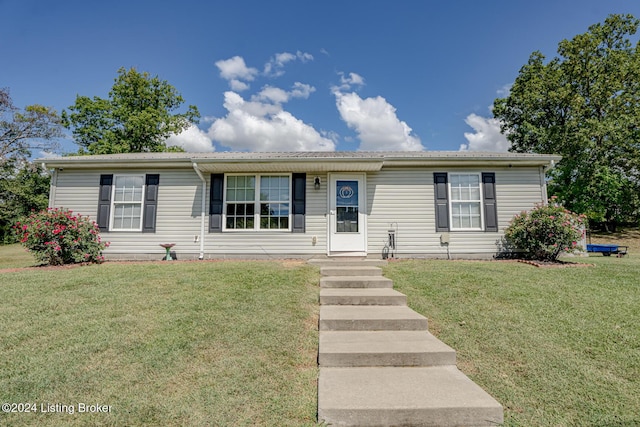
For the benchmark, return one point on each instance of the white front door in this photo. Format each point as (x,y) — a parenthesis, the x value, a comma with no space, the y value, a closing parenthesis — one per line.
(347,214)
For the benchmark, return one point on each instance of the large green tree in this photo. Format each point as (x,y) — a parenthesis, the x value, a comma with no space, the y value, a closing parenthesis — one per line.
(585,105)
(139,115)
(23,186)
(22,131)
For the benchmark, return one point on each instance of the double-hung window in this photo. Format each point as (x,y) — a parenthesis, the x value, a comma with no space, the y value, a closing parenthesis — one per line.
(466,201)
(257,202)
(127,202)
(274,202)
(241,198)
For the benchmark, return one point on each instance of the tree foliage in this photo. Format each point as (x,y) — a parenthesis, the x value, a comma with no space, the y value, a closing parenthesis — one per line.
(23,188)
(585,105)
(22,131)
(138,116)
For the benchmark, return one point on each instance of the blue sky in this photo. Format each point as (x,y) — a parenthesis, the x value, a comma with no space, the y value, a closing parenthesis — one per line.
(297,75)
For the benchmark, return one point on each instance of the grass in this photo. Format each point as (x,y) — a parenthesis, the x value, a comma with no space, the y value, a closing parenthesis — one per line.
(235,343)
(15,256)
(185,343)
(556,346)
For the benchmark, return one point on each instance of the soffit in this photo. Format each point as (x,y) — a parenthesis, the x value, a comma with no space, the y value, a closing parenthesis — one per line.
(291,166)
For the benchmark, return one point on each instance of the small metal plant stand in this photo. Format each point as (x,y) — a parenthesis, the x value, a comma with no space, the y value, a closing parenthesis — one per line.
(168,247)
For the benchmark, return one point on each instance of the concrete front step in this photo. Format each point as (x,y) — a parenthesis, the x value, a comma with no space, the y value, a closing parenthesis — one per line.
(355,282)
(383,348)
(350,271)
(370,318)
(347,261)
(434,396)
(361,296)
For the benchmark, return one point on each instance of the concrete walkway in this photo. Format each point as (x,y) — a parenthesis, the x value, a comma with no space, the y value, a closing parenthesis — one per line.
(379,365)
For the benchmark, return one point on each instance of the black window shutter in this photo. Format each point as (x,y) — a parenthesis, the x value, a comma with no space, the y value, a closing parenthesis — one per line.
(299,183)
(489,201)
(442,201)
(152,181)
(215,202)
(104,202)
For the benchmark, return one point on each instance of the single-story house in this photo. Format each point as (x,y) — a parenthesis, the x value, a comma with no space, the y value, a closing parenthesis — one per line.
(301,204)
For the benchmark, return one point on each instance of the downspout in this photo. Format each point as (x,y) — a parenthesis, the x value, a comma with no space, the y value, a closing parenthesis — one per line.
(203,210)
(543,181)
(52,184)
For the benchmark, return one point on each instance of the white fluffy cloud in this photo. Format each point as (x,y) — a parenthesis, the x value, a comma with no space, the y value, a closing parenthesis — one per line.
(504,91)
(192,140)
(280,96)
(263,126)
(486,136)
(48,154)
(352,79)
(376,123)
(274,67)
(346,82)
(236,72)
(260,123)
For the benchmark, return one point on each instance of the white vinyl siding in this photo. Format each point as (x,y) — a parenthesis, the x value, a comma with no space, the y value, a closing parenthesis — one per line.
(399,198)
(178,220)
(403,199)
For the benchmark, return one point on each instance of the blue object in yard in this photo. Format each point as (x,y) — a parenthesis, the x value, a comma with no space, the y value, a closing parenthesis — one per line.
(607,249)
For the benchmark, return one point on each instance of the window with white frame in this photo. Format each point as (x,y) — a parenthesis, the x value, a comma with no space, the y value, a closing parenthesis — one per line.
(240,197)
(257,202)
(126,208)
(274,202)
(466,201)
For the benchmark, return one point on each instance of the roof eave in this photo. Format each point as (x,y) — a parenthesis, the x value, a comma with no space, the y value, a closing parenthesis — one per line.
(61,163)
(302,164)
(474,161)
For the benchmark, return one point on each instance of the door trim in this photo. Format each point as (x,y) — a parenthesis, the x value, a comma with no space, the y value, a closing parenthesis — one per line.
(361,249)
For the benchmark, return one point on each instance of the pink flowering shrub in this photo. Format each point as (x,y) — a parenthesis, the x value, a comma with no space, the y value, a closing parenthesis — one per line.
(546,231)
(58,236)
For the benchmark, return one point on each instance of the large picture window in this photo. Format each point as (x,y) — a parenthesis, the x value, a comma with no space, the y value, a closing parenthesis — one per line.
(127,202)
(257,202)
(466,201)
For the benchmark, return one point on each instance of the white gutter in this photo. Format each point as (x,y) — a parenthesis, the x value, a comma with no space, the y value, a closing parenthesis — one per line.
(203,210)
(543,180)
(52,184)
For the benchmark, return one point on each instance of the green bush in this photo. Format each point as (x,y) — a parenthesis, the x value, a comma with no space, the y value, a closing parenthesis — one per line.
(545,232)
(58,236)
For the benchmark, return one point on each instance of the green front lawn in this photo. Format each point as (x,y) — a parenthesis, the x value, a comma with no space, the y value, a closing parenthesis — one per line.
(15,256)
(235,343)
(555,346)
(184,343)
